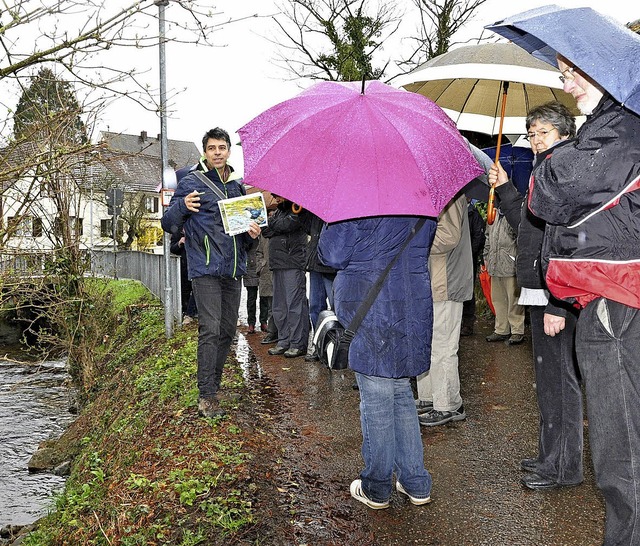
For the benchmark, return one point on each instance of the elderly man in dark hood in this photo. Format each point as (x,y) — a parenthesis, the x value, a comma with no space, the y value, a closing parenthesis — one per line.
(586,189)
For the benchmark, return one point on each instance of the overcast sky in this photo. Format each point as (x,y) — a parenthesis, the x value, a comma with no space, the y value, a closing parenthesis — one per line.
(229,85)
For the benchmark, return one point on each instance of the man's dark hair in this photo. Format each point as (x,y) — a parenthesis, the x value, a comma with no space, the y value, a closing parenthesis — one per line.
(216,134)
(555,113)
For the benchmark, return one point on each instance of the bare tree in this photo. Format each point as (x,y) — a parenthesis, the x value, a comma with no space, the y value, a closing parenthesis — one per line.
(439,20)
(334,39)
(79,38)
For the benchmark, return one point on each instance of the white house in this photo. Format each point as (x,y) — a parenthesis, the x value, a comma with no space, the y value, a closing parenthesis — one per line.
(32,197)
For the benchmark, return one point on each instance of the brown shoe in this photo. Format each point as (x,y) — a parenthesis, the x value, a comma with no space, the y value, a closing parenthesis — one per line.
(209,407)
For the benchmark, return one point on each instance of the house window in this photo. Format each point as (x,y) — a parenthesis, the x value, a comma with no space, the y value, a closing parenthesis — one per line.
(106,228)
(76,225)
(27,226)
(36,227)
(151,204)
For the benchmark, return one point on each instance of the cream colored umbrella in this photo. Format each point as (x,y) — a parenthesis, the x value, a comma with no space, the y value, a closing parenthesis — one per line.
(467,83)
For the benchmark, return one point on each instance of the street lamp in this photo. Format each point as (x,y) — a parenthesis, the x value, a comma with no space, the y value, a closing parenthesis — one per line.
(164,154)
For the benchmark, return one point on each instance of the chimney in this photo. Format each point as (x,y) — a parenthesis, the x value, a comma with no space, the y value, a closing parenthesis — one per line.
(143,136)
(159,136)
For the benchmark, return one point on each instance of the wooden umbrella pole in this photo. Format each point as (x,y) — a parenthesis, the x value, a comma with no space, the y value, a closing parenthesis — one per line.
(491,202)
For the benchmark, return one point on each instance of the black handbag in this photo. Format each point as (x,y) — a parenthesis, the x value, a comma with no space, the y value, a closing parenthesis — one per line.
(331,339)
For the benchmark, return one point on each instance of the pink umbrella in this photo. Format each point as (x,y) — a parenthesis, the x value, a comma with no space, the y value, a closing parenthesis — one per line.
(351,150)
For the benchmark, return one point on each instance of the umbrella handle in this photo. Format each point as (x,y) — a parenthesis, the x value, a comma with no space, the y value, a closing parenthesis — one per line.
(491,201)
(491,205)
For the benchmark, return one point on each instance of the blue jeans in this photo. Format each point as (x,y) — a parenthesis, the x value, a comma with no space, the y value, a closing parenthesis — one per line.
(391,439)
(218,300)
(320,290)
(608,345)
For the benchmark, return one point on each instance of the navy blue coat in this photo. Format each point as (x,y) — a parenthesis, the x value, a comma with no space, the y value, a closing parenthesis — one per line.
(394,339)
(210,251)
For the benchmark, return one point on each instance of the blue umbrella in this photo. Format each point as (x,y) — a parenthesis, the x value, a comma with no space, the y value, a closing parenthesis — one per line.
(517,161)
(602,48)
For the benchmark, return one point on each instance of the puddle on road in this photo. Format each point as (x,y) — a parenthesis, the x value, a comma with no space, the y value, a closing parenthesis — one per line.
(251,369)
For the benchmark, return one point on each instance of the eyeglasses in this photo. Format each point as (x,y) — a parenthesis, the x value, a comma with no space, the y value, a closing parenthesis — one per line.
(540,134)
(567,75)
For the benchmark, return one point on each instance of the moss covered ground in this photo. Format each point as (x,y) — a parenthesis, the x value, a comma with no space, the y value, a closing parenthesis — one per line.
(146,469)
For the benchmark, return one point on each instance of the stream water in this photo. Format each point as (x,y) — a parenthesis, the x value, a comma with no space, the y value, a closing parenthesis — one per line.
(34,402)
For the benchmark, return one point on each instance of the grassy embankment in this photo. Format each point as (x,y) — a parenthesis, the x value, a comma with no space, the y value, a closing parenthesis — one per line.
(146,469)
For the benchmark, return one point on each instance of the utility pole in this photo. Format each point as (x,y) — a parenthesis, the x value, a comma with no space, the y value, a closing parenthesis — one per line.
(164,153)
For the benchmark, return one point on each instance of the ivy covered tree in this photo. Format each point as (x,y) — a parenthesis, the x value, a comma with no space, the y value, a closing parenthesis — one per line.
(334,39)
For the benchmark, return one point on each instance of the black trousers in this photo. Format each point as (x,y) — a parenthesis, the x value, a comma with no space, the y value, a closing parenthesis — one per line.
(559,400)
(608,347)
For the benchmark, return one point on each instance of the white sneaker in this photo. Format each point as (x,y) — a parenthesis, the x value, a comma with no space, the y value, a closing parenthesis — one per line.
(414,500)
(358,494)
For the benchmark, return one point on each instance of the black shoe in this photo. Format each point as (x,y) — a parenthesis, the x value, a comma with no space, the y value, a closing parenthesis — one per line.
(466,331)
(269,338)
(515,339)
(311,357)
(294,353)
(277,350)
(434,417)
(529,465)
(497,337)
(467,326)
(535,481)
(423,406)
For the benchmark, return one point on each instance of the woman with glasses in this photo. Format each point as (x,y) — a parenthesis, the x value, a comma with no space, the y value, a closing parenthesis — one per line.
(560,445)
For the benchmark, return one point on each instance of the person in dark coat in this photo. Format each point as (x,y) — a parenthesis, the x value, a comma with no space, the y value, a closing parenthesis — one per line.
(476,230)
(320,276)
(265,282)
(392,345)
(189,310)
(560,445)
(250,281)
(586,189)
(216,261)
(290,308)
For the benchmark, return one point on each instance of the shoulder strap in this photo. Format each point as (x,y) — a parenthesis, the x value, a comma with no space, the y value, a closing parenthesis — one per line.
(210,184)
(350,331)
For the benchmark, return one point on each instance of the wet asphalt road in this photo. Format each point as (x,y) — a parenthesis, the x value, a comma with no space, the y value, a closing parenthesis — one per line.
(477,497)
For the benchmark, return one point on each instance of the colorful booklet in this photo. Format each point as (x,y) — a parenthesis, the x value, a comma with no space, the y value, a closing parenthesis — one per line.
(238,212)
